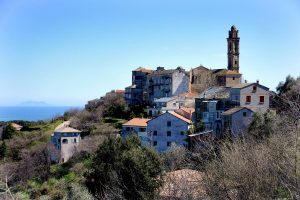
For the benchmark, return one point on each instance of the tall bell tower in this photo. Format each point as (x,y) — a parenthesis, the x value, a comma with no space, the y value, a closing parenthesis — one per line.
(233,52)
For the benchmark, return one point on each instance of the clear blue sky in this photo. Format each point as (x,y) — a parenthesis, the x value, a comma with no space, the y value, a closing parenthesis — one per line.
(67,52)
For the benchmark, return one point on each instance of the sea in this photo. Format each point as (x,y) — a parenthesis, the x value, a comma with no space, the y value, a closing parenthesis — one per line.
(32,113)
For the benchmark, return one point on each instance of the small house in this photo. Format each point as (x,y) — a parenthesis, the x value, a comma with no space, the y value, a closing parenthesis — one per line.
(136,126)
(66,140)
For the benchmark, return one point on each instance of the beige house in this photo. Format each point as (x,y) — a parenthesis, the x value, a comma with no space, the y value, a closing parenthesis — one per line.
(66,140)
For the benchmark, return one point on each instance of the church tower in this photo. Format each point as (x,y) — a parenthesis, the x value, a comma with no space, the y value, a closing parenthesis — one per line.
(233,51)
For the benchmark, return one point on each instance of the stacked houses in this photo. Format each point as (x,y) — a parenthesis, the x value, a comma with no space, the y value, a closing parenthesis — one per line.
(176,100)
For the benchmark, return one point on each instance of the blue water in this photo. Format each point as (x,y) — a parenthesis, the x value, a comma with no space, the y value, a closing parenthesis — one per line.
(31,113)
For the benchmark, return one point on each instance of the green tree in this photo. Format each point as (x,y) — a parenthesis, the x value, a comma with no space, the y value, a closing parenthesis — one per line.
(263,125)
(124,169)
(8,132)
(284,87)
(3,150)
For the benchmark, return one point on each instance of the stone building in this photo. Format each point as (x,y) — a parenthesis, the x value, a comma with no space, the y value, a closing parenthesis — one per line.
(135,94)
(236,120)
(210,105)
(233,50)
(66,140)
(167,129)
(166,83)
(136,126)
(202,77)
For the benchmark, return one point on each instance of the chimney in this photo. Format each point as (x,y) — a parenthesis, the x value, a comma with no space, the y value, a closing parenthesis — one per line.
(246,81)
(257,81)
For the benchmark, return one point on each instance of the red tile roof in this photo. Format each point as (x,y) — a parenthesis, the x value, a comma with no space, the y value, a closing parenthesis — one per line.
(185,112)
(141,69)
(136,122)
(181,117)
(120,91)
(188,94)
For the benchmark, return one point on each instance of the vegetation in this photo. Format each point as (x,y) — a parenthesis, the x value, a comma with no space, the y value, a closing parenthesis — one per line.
(124,169)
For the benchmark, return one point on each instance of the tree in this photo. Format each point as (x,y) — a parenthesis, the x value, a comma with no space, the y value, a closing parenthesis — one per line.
(285,87)
(3,150)
(263,125)
(8,132)
(124,169)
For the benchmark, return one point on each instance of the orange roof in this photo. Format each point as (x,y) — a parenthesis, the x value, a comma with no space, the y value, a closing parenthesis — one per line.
(185,112)
(141,69)
(136,122)
(188,94)
(180,117)
(120,91)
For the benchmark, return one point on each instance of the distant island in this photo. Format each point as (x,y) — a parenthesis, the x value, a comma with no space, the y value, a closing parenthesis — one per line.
(33,103)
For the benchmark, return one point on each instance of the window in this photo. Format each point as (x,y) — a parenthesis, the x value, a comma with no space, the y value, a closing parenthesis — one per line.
(169,123)
(217,114)
(248,99)
(254,88)
(154,132)
(168,144)
(261,99)
(65,141)
(154,143)
(142,129)
(233,78)
(168,133)
(75,140)
(244,114)
(181,132)
(127,129)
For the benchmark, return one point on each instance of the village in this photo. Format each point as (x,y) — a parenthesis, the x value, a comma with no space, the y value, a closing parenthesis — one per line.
(171,134)
(184,108)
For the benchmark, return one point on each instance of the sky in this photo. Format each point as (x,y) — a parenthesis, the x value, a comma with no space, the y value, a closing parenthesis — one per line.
(68,52)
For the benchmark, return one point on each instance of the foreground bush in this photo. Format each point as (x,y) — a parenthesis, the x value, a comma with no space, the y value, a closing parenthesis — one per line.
(123,169)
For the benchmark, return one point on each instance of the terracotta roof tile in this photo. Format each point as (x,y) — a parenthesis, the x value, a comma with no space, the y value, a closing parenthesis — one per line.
(141,69)
(188,94)
(185,112)
(137,122)
(180,117)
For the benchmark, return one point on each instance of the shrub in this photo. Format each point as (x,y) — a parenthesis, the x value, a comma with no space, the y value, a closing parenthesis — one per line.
(124,169)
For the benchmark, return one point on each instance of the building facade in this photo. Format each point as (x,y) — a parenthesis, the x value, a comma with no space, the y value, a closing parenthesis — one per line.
(135,94)
(167,129)
(66,140)
(166,83)
(210,105)
(250,95)
(233,52)
(136,126)
(236,120)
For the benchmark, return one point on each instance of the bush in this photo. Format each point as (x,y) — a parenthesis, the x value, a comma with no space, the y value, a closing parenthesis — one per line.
(8,132)
(124,169)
